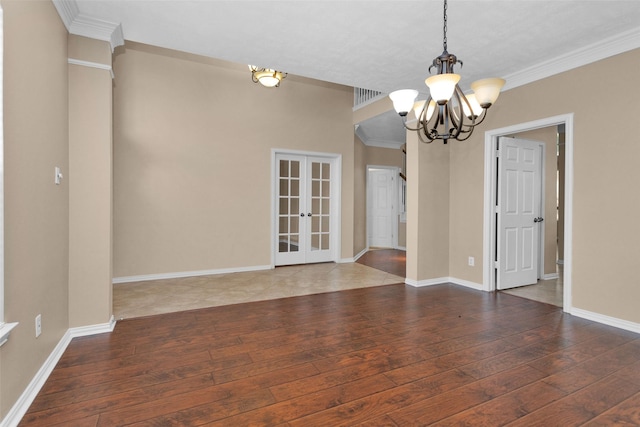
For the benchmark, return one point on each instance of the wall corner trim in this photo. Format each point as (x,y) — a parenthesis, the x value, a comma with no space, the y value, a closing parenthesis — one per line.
(92,65)
(29,394)
(88,26)
(354,259)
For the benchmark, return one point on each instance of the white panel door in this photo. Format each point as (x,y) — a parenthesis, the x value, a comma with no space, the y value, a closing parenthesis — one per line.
(304,209)
(519,203)
(381,212)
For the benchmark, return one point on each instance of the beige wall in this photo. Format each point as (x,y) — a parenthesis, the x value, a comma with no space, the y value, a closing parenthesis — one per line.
(605,205)
(90,183)
(192,159)
(428,214)
(36,210)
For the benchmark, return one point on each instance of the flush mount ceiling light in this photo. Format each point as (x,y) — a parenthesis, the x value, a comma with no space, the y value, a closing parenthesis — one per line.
(447,113)
(266,76)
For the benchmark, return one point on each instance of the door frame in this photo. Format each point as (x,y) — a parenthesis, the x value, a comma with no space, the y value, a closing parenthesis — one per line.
(336,200)
(540,234)
(395,197)
(490,183)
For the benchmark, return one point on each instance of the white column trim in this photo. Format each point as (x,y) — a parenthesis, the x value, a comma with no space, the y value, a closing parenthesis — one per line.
(92,65)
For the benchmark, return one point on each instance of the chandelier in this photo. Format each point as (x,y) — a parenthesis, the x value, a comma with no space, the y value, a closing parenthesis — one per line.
(447,113)
(266,76)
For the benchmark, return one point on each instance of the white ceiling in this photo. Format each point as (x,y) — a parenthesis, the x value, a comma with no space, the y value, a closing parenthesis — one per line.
(382,45)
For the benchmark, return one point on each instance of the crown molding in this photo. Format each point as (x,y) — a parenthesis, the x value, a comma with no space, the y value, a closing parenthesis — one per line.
(376,142)
(372,142)
(68,10)
(88,26)
(605,48)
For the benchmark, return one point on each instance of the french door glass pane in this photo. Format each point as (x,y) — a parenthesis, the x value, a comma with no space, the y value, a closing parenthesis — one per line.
(320,208)
(289,206)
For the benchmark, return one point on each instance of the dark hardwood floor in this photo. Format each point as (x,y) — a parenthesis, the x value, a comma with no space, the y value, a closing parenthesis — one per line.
(389,260)
(385,356)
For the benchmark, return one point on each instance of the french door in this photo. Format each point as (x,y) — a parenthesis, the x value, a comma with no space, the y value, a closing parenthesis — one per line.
(306,215)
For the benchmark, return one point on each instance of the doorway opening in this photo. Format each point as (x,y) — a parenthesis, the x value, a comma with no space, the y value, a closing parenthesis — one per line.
(382,207)
(563,249)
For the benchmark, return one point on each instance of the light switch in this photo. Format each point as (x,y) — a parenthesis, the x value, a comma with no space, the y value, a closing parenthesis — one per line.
(58,175)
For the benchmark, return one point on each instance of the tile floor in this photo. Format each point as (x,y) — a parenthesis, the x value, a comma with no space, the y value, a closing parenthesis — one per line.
(139,299)
(547,291)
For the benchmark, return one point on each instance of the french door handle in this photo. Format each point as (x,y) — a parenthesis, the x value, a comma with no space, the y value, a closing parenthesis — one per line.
(539,219)
(309,214)
(302,214)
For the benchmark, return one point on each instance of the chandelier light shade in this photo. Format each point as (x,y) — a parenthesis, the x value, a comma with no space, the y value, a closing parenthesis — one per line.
(403,100)
(266,76)
(447,113)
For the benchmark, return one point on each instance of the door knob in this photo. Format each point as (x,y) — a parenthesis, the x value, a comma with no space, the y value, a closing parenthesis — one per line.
(539,219)
(302,214)
(309,214)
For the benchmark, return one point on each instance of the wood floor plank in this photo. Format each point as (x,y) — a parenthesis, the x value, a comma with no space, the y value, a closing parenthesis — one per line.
(582,406)
(626,413)
(584,374)
(384,403)
(285,411)
(390,356)
(447,404)
(506,408)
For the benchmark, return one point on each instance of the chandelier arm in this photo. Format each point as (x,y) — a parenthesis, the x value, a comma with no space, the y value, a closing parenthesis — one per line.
(466,133)
(462,97)
(482,116)
(425,139)
(425,134)
(417,129)
(456,122)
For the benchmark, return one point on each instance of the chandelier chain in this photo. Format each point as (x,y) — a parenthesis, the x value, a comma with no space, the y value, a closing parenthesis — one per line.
(444,28)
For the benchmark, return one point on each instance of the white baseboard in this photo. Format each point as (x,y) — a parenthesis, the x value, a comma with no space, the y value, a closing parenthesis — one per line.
(466,283)
(29,394)
(551,276)
(181,274)
(442,281)
(354,259)
(607,320)
(364,251)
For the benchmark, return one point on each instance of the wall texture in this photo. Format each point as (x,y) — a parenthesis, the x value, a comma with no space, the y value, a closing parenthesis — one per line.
(36,210)
(192,159)
(90,183)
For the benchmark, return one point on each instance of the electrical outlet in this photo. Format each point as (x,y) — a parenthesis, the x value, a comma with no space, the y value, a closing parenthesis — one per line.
(472,261)
(38,325)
